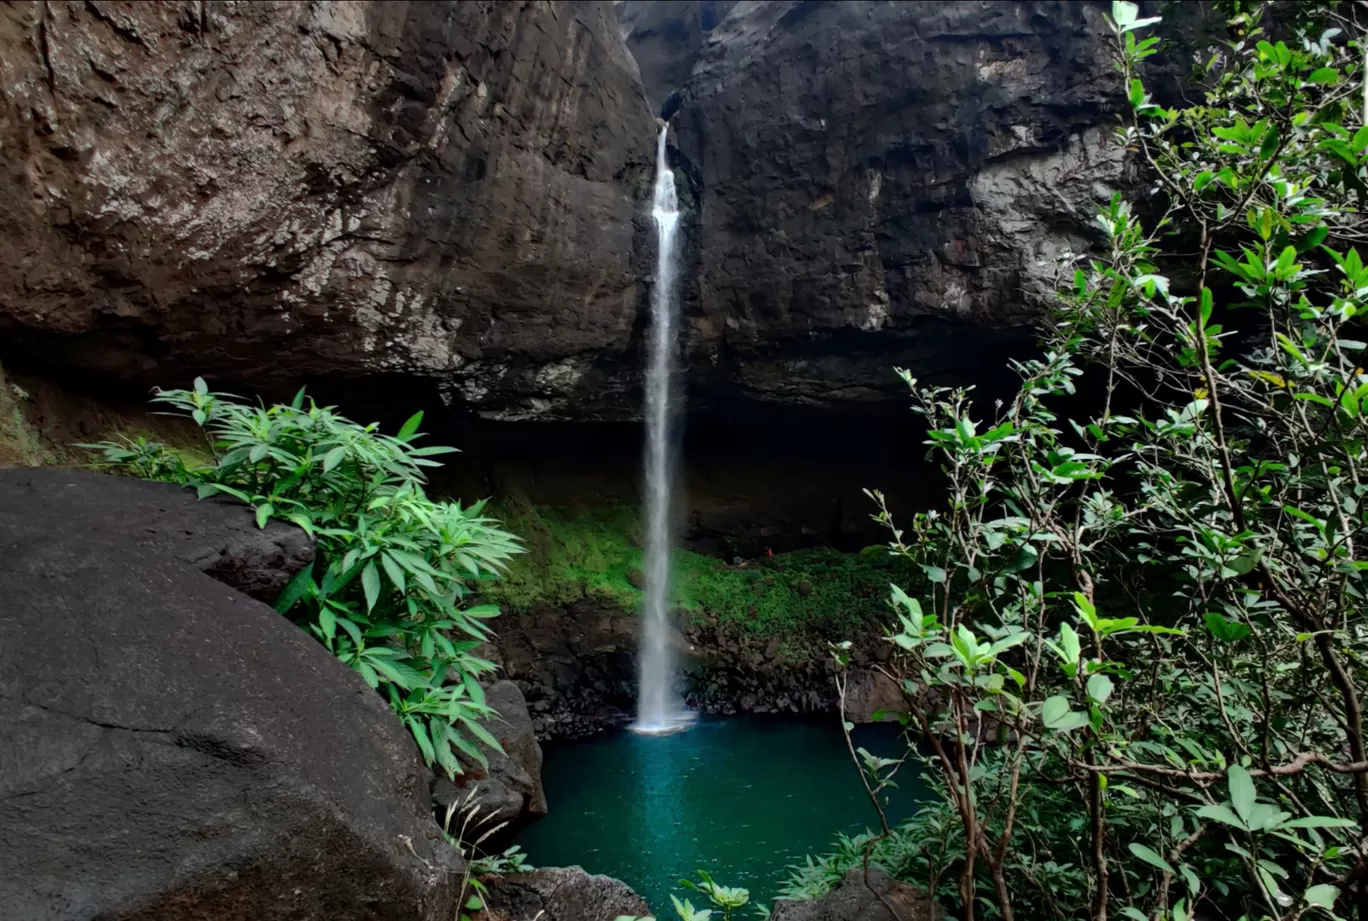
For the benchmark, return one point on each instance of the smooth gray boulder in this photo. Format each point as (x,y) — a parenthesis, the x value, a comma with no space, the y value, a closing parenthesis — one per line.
(172,749)
(505,796)
(220,538)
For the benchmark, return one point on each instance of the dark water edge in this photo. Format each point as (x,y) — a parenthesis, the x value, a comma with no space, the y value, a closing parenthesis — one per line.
(742,798)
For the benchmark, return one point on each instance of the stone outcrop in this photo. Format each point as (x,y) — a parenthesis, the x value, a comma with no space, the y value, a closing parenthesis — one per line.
(218,538)
(882,183)
(861,897)
(559,894)
(172,749)
(505,795)
(449,198)
(577,666)
(870,693)
(278,192)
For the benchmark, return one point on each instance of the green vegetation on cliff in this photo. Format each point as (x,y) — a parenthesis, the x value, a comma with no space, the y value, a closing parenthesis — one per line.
(1151,603)
(594,554)
(19,444)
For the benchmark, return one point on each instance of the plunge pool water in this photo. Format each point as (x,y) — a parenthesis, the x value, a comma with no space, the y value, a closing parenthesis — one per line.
(741,798)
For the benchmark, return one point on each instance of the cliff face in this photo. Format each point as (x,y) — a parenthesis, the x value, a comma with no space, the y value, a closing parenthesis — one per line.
(275,192)
(450,196)
(882,183)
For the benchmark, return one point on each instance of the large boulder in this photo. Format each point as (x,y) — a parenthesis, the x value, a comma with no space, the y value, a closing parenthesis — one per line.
(559,894)
(862,896)
(217,537)
(494,801)
(276,192)
(173,750)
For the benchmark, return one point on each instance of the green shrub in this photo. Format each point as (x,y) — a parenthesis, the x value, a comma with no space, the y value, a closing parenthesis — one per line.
(1138,661)
(388,592)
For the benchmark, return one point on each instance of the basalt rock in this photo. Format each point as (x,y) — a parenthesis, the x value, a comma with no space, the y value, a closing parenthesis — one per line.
(862,897)
(447,199)
(440,194)
(559,894)
(870,692)
(666,38)
(496,800)
(173,750)
(881,184)
(577,666)
(219,538)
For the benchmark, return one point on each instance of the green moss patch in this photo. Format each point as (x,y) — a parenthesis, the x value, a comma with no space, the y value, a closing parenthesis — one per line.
(594,554)
(19,442)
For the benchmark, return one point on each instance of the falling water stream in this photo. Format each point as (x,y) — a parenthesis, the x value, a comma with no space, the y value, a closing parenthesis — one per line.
(659,709)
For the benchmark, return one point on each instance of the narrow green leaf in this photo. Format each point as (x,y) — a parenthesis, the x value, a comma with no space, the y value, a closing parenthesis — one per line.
(410,427)
(334,457)
(1151,857)
(393,570)
(370,583)
(301,583)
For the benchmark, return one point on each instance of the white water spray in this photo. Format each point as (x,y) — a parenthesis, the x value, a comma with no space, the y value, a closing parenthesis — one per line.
(659,708)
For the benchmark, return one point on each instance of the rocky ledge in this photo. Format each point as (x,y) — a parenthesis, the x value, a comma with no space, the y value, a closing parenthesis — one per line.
(448,198)
(577,666)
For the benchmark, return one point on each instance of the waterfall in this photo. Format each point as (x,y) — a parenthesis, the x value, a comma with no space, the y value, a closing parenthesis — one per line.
(659,708)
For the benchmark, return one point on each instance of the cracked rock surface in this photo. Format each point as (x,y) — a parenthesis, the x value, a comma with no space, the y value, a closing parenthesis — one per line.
(172,749)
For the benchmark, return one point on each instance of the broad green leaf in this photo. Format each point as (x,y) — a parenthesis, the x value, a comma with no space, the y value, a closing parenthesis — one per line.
(1322,896)
(1099,688)
(1221,814)
(1055,714)
(327,622)
(1068,638)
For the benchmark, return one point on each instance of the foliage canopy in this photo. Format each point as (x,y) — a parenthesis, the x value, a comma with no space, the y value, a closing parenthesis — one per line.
(1137,667)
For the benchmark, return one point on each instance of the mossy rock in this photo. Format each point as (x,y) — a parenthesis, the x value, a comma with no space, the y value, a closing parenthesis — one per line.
(594,553)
